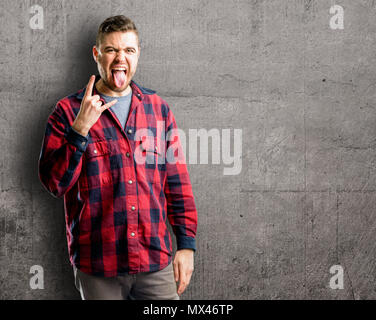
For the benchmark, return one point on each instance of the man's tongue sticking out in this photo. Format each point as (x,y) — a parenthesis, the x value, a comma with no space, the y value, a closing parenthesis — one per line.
(119,78)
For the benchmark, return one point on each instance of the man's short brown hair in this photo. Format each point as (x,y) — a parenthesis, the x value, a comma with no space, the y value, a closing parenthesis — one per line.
(115,23)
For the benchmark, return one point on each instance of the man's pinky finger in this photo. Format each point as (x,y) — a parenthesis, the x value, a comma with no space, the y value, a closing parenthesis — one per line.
(109,105)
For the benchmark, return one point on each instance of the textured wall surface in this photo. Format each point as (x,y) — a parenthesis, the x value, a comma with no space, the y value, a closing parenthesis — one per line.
(302,93)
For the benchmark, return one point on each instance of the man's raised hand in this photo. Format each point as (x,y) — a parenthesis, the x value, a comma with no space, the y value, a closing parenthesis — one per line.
(90,110)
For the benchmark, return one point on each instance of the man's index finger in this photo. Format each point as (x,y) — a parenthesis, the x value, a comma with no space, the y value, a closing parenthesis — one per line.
(89,87)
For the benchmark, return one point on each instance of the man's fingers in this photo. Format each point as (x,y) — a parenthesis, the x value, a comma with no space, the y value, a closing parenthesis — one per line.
(176,272)
(89,87)
(95,98)
(98,104)
(182,280)
(109,105)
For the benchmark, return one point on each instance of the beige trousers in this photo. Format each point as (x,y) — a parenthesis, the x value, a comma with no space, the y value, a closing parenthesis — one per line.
(158,285)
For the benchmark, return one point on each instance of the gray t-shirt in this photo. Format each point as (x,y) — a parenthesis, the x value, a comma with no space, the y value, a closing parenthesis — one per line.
(121,108)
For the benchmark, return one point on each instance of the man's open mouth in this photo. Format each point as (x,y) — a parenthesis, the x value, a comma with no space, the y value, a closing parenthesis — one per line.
(119,76)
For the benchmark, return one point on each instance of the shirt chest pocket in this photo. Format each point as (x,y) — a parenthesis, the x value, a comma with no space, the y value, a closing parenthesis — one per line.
(96,166)
(151,150)
(151,164)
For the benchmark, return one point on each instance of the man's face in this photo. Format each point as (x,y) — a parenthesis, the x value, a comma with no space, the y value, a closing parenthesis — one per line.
(117,58)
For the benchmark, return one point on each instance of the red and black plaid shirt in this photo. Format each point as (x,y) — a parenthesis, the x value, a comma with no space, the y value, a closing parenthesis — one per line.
(116,206)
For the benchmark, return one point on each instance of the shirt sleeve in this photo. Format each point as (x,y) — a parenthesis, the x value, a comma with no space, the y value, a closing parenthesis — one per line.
(60,160)
(181,208)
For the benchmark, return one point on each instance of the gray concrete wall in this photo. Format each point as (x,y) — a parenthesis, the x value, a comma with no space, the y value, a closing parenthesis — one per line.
(302,93)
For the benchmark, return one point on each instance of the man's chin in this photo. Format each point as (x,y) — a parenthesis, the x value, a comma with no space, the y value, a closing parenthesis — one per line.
(121,89)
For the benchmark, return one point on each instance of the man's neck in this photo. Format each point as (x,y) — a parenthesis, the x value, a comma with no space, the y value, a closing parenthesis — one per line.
(103,89)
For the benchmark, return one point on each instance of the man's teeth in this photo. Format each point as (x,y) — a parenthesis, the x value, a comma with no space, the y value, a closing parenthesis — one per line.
(122,69)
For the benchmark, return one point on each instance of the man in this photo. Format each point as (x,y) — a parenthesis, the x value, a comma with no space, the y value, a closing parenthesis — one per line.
(113,152)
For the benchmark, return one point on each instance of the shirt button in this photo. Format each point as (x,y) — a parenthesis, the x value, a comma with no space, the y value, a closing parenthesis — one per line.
(128,155)
(132,234)
(133,208)
(130,131)
(130,181)
(95,151)
(83,143)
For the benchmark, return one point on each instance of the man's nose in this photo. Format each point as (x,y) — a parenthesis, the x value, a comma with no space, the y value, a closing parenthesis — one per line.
(120,55)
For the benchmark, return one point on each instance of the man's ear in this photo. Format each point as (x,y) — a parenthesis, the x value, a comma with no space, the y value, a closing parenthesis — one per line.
(95,53)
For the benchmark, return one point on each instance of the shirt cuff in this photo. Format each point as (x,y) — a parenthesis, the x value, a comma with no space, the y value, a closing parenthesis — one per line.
(184,242)
(76,139)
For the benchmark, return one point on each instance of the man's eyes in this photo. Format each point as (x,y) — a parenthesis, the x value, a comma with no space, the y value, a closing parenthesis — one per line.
(128,50)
